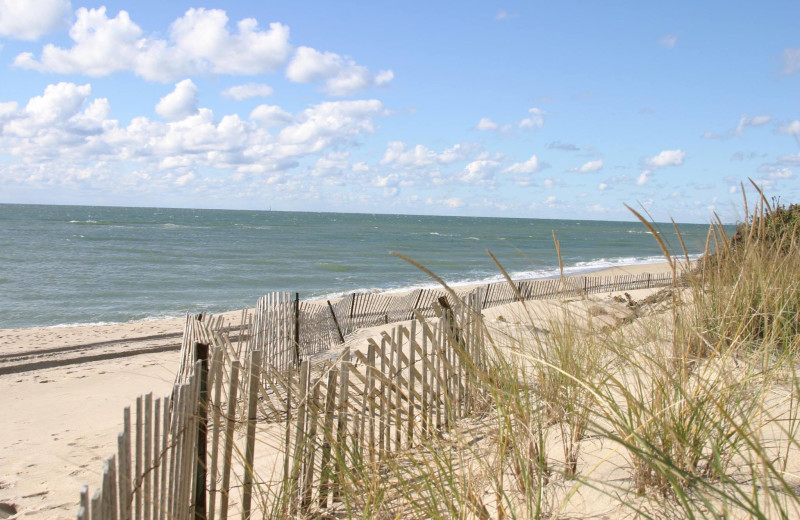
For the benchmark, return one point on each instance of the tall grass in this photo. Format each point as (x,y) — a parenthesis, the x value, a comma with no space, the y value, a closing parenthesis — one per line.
(692,410)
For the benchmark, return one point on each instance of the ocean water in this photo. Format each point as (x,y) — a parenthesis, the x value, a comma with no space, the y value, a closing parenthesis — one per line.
(78,264)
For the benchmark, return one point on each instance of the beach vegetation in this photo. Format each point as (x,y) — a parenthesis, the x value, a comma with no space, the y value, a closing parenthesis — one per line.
(684,404)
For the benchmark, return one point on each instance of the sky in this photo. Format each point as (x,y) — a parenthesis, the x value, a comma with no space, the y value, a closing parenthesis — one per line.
(517,109)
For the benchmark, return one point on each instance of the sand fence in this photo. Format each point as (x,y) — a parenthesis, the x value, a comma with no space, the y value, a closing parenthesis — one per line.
(260,426)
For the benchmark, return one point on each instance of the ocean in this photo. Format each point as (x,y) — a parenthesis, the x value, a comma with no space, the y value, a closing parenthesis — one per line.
(63,265)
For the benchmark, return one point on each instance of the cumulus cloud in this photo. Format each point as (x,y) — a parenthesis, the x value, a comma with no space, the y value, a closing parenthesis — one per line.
(270,116)
(530,166)
(486,123)
(534,120)
(591,166)
(58,108)
(63,129)
(792,128)
(8,109)
(247,91)
(662,160)
(180,103)
(185,179)
(200,42)
(791,60)
(26,20)
(666,158)
(773,172)
(399,155)
(329,123)
(341,75)
(480,171)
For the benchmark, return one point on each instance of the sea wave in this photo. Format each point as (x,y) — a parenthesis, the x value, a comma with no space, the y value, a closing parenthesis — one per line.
(584,267)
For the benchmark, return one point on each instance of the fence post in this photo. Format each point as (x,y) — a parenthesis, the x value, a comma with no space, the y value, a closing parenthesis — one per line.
(336,322)
(250,446)
(297,328)
(201,354)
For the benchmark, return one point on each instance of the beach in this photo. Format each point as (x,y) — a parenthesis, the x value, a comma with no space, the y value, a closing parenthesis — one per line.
(61,422)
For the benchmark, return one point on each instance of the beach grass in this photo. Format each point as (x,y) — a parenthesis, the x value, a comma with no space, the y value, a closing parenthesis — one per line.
(688,408)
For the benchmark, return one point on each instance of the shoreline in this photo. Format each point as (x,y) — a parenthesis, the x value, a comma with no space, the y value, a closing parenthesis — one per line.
(571,271)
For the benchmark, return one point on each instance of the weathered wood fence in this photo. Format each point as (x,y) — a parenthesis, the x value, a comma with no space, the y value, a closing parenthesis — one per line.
(192,454)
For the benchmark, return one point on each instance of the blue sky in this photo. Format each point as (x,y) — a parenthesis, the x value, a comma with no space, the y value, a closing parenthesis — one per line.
(530,109)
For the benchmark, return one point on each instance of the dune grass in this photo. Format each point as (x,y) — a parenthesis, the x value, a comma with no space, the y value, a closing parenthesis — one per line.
(691,410)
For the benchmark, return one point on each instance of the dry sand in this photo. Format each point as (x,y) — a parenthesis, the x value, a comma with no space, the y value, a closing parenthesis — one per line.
(59,423)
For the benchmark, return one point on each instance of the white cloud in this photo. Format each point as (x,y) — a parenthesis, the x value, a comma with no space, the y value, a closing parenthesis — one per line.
(397,154)
(185,179)
(63,129)
(535,120)
(332,165)
(8,109)
(669,41)
(458,152)
(480,171)
(28,20)
(530,166)
(199,43)
(789,160)
(666,158)
(180,103)
(791,60)
(486,123)
(247,91)
(748,121)
(773,172)
(452,202)
(361,167)
(342,76)
(602,186)
(203,35)
(328,123)
(270,116)
(792,128)
(55,108)
(591,166)
(386,181)
(745,121)
(643,178)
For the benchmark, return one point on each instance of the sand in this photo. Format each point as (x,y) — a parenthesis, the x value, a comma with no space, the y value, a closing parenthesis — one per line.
(63,390)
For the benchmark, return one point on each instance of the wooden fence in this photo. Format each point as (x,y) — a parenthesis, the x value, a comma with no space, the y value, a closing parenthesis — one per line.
(192,454)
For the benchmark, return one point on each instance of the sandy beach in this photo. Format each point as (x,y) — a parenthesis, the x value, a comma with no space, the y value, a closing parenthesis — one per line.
(63,390)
